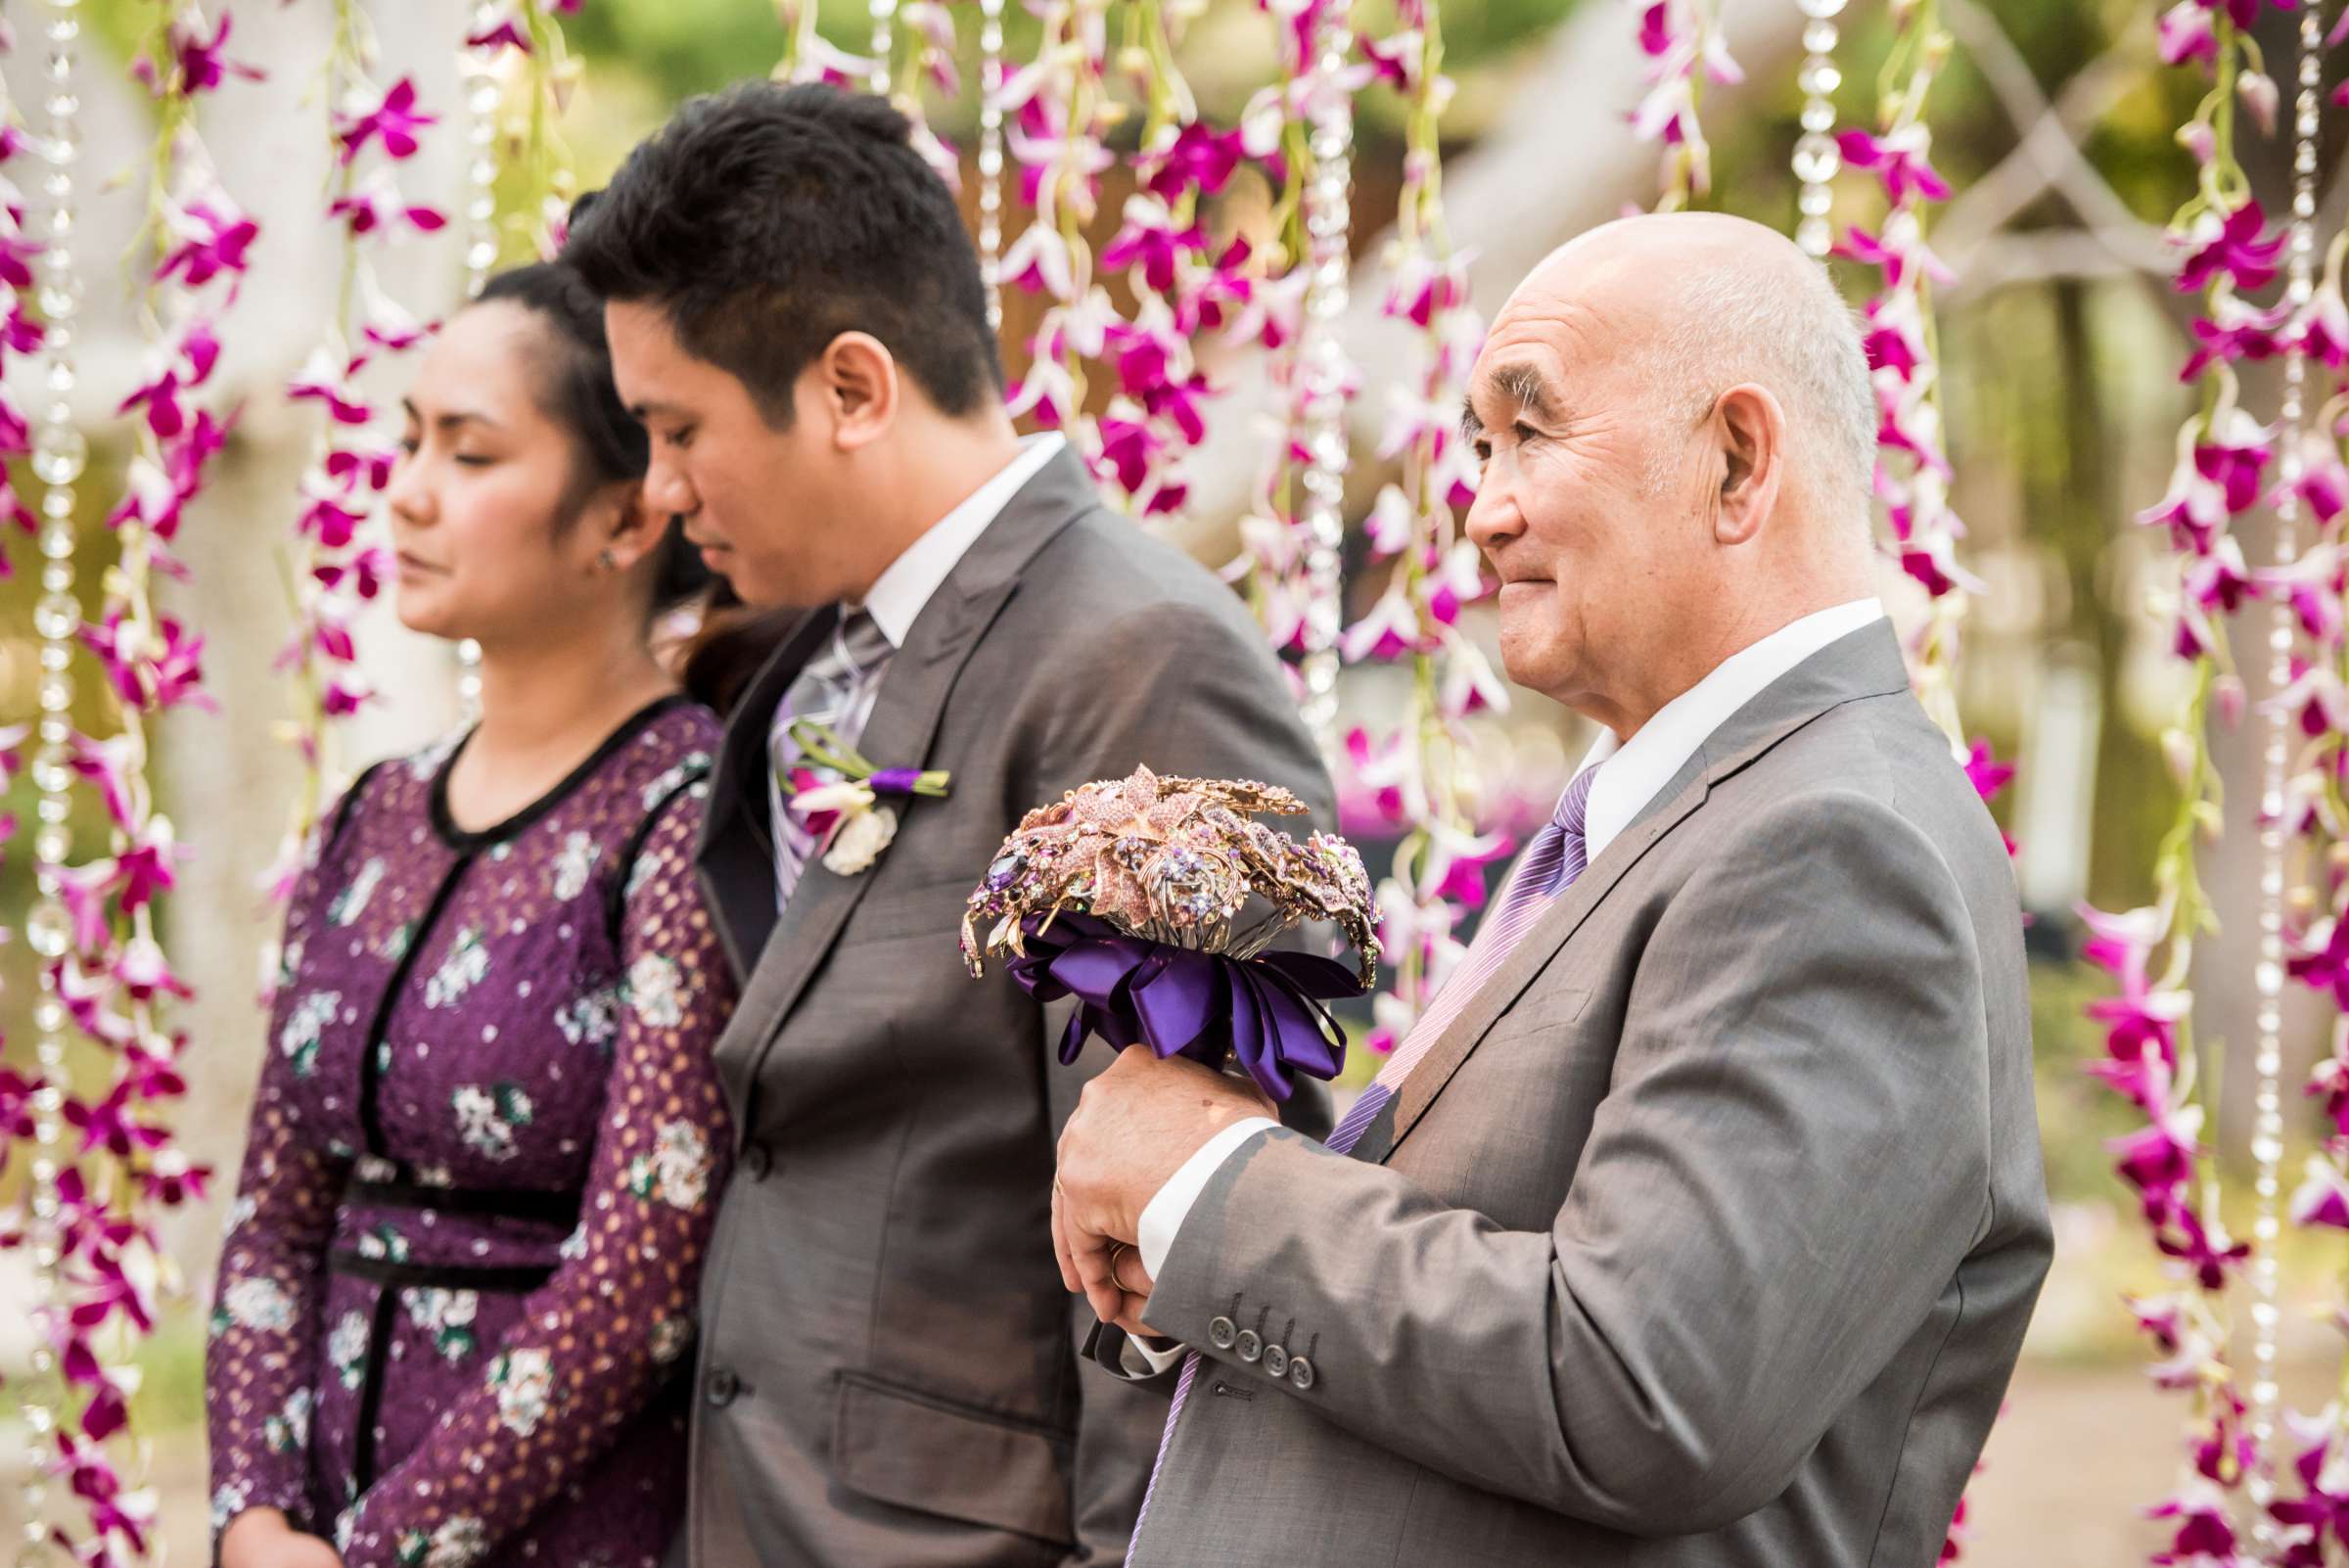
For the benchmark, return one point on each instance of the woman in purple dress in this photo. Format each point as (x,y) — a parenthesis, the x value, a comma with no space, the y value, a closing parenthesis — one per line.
(457,1290)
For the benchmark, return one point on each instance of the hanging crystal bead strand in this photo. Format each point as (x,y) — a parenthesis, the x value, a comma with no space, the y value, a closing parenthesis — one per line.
(2266,1124)
(477,75)
(990,156)
(1328,221)
(884,40)
(1817,158)
(57,456)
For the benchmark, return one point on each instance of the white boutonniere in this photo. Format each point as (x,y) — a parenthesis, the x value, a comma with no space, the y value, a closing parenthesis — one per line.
(837,798)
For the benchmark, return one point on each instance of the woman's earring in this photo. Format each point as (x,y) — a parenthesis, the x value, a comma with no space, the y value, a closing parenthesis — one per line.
(608,561)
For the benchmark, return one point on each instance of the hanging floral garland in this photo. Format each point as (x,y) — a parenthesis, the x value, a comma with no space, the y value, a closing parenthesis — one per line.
(1913,473)
(333,564)
(504,39)
(95,1197)
(913,42)
(520,79)
(1903,353)
(1059,109)
(1180,286)
(2150,1056)
(1685,48)
(1420,778)
(1290,560)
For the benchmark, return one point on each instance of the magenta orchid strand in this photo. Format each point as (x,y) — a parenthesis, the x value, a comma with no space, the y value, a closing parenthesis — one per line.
(1419,777)
(335,564)
(2150,1056)
(1057,109)
(1686,50)
(102,1162)
(1290,541)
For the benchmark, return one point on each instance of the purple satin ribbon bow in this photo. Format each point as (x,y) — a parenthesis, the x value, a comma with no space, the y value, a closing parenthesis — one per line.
(1263,1011)
(894,780)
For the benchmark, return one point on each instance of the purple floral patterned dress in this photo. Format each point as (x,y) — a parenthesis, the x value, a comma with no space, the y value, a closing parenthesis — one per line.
(456,1296)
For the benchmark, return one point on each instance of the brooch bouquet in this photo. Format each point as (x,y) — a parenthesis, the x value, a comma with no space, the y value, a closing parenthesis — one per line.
(1154,902)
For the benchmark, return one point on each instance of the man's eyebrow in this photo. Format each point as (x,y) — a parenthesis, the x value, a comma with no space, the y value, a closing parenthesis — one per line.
(1521,384)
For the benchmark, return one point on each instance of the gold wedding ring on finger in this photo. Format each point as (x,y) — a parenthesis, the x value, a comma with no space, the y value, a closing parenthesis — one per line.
(1116,1255)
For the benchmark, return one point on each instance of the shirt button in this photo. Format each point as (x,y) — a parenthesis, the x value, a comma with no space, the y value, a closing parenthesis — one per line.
(1276,1362)
(1220,1332)
(1250,1345)
(756,1161)
(722,1388)
(1301,1373)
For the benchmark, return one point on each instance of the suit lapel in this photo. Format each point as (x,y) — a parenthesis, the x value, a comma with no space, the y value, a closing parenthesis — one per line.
(1865,662)
(1532,952)
(906,712)
(737,849)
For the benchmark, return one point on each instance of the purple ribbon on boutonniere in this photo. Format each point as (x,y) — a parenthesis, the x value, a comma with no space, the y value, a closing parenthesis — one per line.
(843,812)
(1264,1013)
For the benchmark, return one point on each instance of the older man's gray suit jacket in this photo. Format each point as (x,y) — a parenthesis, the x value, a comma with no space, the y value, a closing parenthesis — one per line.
(1705,1237)
(889,1372)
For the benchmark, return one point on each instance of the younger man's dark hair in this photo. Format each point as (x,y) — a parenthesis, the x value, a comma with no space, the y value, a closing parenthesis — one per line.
(767,220)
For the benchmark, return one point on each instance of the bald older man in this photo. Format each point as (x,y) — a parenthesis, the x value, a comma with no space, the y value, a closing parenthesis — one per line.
(1698,1222)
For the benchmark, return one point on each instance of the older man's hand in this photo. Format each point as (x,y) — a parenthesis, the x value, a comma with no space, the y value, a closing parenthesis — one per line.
(1134,1128)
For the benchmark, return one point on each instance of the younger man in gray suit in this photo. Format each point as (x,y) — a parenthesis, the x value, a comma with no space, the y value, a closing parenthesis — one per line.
(888,1370)
(1698,1223)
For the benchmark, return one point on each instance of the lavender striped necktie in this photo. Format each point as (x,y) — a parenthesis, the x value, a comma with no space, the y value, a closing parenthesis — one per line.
(834,689)
(1558,855)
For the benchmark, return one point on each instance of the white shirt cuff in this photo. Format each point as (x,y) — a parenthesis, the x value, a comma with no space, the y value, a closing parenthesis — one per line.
(1164,1215)
(1140,1361)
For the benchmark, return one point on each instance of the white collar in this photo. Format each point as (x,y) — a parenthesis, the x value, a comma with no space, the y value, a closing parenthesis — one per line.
(899,595)
(1639,770)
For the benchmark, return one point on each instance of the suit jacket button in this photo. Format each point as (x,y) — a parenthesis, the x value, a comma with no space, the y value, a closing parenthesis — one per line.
(1301,1373)
(1220,1332)
(722,1386)
(756,1161)
(1276,1362)
(1250,1345)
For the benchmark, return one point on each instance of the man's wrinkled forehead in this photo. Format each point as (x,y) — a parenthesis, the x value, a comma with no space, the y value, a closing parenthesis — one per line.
(1544,348)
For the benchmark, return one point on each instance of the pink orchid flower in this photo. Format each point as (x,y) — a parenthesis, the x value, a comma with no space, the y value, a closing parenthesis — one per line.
(504,30)
(204,64)
(1470,685)
(2142,1015)
(211,235)
(2236,331)
(392,119)
(2233,456)
(2194,510)
(2232,246)
(1197,158)
(1149,242)
(1389,632)
(145,972)
(376,203)
(326,378)
(1899,160)
(2185,33)
(2323,1196)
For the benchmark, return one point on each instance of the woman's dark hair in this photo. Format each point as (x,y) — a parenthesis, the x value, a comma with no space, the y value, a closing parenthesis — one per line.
(764,221)
(730,646)
(576,393)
